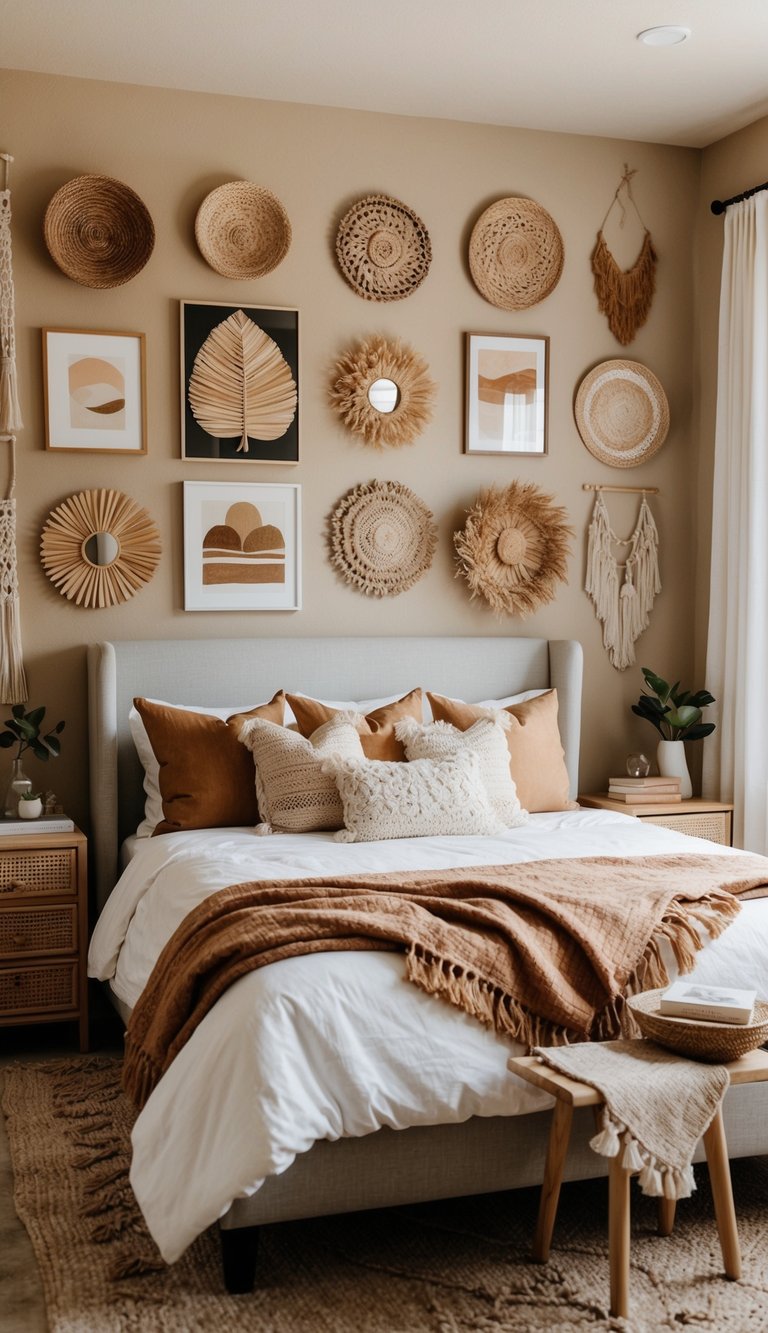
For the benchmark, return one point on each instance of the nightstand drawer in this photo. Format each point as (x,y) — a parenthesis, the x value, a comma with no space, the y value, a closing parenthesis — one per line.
(41,988)
(44,870)
(38,930)
(712,824)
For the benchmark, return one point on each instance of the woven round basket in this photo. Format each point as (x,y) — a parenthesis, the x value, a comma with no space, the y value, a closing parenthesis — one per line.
(383,538)
(515,254)
(242,230)
(622,413)
(699,1040)
(383,249)
(98,231)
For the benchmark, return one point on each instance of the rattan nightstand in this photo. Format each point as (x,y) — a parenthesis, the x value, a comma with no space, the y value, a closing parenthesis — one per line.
(698,818)
(44,930)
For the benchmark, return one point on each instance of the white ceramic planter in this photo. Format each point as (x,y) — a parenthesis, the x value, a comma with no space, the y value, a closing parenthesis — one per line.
(670,757)
(30,809)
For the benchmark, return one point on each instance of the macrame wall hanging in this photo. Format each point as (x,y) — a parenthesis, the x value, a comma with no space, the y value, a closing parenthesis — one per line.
(623,593)
(13,681)
(624,296)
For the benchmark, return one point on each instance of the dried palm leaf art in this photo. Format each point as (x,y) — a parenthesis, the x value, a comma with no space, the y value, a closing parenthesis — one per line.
(514,547)
(241,384)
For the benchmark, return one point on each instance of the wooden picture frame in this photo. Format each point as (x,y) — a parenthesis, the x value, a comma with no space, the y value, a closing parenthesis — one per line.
(239,383)
(94,382)
(507,394)
(242,546)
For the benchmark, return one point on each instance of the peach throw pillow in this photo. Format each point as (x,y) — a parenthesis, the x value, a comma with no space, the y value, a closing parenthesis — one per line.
(536,756)
(377,729)
(205,774)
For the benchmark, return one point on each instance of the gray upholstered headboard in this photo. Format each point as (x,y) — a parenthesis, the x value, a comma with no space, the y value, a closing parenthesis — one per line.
(218,672)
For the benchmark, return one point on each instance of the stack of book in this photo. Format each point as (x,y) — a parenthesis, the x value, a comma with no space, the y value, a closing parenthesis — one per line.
(714,1004)
(44,824)
(644,790)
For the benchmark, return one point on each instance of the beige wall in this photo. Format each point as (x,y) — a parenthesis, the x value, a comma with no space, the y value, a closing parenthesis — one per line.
(173,148)
(729,167)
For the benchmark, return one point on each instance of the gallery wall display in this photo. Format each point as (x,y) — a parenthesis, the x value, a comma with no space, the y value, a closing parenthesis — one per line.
(507,393)
(242,546)
(239,383)
(95,391)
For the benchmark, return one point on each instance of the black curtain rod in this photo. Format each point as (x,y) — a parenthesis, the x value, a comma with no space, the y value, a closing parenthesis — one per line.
(720,205)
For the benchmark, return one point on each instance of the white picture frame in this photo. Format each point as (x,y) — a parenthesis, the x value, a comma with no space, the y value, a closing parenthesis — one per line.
(230,565)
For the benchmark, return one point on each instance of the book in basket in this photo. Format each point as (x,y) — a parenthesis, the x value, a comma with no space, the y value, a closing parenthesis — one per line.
(714,1004)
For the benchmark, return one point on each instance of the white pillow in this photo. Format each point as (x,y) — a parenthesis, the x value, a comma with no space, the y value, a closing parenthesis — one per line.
(294,793)
(487,739)
(425,798)
(153,804)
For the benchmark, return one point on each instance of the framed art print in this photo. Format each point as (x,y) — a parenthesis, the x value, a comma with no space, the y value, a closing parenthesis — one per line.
(239,383)
(95,391)
(507,388)
(242,546)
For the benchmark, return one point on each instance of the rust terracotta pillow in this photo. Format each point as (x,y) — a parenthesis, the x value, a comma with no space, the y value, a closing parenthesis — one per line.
(536,756)
(205,774)
(377,729)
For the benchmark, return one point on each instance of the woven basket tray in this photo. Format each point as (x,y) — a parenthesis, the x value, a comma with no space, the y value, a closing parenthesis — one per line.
(699,1040)
(98,231)
(242,230)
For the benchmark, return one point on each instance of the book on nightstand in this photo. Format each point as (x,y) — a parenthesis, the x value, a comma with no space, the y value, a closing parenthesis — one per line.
(644,797)
(45,824)
(714,1004)
(644,784)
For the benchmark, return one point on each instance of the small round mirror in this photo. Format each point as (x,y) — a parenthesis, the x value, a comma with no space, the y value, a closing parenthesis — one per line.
(101,548)
(384,395)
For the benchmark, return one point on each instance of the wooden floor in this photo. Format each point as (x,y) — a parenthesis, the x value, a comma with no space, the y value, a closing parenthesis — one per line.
(21,1295)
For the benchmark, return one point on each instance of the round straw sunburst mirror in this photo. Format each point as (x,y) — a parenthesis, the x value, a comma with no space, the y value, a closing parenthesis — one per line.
(382,391)
(99,548)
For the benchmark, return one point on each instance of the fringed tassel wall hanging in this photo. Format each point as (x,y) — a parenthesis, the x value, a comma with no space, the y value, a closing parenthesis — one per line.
(624,296)
(623,594)
(13,681)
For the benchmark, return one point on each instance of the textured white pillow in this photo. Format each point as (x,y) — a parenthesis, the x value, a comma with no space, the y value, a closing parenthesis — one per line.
(153,804)
(426,798)
(294,793)
(487,739)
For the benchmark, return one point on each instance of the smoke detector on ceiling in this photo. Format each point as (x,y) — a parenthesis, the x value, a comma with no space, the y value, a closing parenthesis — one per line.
(667,35)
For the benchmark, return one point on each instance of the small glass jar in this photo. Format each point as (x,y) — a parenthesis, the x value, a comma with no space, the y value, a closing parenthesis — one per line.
(638,765)
(18,784)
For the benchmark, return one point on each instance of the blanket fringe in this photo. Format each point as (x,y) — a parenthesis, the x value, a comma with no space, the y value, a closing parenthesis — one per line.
(140,1073)
(657,1179)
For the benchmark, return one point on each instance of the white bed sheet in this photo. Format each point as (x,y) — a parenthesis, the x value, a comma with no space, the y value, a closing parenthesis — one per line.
(336,1044)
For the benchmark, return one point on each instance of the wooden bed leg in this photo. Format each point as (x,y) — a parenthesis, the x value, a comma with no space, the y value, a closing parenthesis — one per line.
(666,1216)
(239,1251)
(557,1151)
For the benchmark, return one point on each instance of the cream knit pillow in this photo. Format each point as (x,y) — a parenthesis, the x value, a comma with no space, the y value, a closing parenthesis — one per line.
(487,738)
(294,794)
(426,798)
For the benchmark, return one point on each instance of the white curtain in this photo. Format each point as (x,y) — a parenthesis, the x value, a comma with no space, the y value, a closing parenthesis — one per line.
(736,754)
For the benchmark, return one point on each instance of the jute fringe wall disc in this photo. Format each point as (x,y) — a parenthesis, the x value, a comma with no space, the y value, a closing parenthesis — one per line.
(383,359)
(383,249)
(382,538)
(622,413)
(82,564)
(514,548)
(515,253)
(98,231)
(242,230)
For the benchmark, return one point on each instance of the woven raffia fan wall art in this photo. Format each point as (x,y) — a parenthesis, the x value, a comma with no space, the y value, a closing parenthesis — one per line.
(383,249)
(364,366)
(99,548)
(513,549)
(241,384)
(516,253)
(382,538)
(624,296)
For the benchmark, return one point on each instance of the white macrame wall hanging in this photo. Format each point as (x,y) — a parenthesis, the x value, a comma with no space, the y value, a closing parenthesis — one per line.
(623,592)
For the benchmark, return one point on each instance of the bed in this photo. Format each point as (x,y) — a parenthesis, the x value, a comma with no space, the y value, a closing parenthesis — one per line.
(211,1142)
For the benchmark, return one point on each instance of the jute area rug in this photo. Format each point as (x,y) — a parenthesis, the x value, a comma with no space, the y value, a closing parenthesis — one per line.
(453,1267)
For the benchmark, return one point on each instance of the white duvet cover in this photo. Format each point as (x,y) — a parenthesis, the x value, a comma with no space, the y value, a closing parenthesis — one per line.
(334,1044)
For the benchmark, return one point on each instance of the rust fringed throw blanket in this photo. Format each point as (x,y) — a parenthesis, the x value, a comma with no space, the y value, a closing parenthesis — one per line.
(544,951)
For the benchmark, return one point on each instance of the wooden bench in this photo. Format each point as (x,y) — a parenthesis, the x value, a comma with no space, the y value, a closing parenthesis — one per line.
(569,1094)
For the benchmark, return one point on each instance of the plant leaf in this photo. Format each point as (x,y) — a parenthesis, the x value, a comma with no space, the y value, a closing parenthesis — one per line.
(696,733)
(241,384)
(656,683)
(683,717)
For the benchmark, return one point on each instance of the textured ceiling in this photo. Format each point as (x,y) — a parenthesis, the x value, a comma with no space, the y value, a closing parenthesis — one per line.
(568,65)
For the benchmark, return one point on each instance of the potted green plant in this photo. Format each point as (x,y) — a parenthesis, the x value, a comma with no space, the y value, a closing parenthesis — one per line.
(30,804)
(24,730)
(676,715)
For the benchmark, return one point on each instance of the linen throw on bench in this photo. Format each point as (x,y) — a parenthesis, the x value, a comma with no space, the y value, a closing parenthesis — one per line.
(544,951)
(657,1106)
